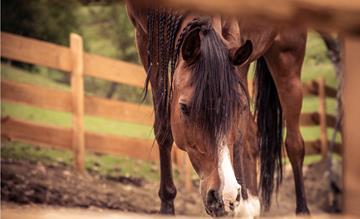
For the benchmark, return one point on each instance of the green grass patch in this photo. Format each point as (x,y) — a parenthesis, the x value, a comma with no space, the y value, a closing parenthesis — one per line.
(314,158)
(316,62)
(63,119)
(313,133)
(105,165)
(311,104)
(12,73)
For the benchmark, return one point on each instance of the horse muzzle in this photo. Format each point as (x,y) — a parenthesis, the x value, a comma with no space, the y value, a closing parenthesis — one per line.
(214,205)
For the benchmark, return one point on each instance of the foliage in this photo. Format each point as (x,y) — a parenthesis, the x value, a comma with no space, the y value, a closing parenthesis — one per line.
(42,19)
(317,63)
(107,31)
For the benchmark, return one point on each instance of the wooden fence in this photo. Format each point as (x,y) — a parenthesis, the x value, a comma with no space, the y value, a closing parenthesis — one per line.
(77,63)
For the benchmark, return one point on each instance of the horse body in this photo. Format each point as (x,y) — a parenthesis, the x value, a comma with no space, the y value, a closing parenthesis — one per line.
(203,103)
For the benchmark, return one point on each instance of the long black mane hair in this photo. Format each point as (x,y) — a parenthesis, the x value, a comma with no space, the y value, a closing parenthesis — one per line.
(216,99)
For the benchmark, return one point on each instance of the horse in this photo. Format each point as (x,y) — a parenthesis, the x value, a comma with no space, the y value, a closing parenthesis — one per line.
(197,67)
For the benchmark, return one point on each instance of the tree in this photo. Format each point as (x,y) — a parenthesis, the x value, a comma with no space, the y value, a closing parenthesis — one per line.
(123,38)
(42,19)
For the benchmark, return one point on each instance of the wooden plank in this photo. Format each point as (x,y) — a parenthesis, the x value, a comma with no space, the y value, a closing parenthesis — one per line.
(36,96)
(36,52)
(330,91)
(43,135)
(309,119)
(119,110)
(55,137)
(322,116)
(53,99)
(351,104)
(77,91)
(50,55)
(312,147)
(326,15)
(115,145)
(310,88)
(330,121)
(114,70)
(313,119)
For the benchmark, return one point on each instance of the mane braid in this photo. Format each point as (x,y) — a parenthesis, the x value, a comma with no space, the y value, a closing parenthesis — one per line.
(162,28)
(149,50)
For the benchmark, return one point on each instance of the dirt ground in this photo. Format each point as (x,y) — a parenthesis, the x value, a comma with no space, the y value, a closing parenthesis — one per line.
(34,184)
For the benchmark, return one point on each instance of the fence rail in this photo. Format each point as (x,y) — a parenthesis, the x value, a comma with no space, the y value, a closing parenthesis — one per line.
(53,99)
(54,136)
(45,54)
(78,63)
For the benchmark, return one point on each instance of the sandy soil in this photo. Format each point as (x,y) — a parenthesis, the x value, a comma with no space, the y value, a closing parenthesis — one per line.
(28,184)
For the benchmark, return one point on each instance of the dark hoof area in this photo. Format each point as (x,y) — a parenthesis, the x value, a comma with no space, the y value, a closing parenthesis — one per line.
(167,208)
(302,211)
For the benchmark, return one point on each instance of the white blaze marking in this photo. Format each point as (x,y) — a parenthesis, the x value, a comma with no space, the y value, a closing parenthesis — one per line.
(229,188)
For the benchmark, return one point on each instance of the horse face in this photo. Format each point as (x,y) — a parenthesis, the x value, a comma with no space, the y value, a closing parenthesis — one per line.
(207,119)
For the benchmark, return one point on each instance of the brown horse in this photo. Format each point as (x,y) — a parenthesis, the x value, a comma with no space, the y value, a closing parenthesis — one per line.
(197,67)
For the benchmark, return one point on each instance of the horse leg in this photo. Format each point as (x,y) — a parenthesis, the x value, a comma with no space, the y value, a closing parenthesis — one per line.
(294,142)
(285,61)
(167,191)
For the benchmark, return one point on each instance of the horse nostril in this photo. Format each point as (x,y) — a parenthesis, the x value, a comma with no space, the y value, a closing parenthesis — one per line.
(212,196)
(231,206)
(214,204)
(238,197)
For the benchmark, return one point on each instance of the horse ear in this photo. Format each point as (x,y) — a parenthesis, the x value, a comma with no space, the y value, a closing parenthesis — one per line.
(240,55)
(191,46)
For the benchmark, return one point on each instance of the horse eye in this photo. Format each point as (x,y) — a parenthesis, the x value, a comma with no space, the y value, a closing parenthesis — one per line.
(184,109)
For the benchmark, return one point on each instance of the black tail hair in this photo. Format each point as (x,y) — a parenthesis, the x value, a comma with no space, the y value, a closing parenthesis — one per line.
(269,121)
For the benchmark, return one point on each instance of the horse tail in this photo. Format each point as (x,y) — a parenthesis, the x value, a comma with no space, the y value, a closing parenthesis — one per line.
(269,122)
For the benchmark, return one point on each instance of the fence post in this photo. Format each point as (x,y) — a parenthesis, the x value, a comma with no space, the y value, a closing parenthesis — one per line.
(188,181)
(77,90)
(351,104)
(322,118)
(184,166)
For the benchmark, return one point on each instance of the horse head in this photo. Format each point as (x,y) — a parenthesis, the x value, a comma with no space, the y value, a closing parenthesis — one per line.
(210,113)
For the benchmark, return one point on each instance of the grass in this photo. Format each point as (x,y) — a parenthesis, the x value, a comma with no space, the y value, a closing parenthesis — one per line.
(12,73)
(316,63)
(105,165)
(94,124)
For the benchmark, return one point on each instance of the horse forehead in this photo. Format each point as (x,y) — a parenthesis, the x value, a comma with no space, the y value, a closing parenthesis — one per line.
(182,75)
(216,24)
